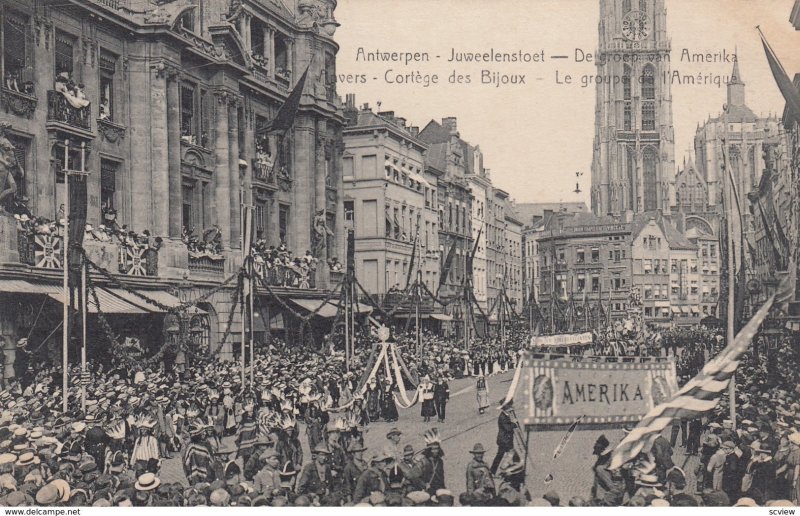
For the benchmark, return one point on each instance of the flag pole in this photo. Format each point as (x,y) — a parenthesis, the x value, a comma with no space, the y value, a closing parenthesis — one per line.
(243,307)
(731,276)
(65,285)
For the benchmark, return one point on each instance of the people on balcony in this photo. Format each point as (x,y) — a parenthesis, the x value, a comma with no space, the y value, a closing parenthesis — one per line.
(74,94)
(210,245)
(13,82)
(335,265)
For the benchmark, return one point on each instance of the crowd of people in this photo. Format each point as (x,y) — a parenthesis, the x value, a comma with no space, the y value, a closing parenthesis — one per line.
(243,443)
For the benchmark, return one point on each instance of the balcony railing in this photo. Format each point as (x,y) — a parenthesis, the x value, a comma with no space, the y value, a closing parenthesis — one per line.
(206,263)
(286,276)
(20,104)
(59,110)
(138,261)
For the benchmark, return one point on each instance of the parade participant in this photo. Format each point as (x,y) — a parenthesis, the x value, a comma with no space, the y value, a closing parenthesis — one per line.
(316,477)
(479,479)
(145,456)
(267,480)
(409,469)
(198,458)
(353,469)
(426,396)
(216,414)
(441,395)
(374,477)
(432,462)
(288,478)
(165,428)
(229,406)
(393,436)
(388,404)
(662,454)
(373,396)
(506,426)
(608,488)
(482,394)
(247,432)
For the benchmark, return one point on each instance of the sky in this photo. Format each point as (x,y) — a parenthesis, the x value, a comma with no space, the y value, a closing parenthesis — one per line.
(536,136)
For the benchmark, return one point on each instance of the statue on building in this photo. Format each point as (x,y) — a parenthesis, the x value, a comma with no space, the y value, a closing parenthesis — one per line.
(320,232)
(10,172)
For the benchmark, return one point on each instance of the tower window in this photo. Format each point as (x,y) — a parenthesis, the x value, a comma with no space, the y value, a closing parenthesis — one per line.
(650,179)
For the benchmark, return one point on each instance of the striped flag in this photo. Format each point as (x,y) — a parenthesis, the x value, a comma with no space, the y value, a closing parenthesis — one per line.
(565,439)
(700,395)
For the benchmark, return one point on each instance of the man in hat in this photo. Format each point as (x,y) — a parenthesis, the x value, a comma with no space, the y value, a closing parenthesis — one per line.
(441,395)
(353,469)
(609,487)
(393,436)
(316,477)
(267,480)
(198,457)
(374,477)
(479,478)
(506,425)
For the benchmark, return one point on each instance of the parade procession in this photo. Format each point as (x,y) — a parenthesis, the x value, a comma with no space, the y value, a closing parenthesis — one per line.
(225,283)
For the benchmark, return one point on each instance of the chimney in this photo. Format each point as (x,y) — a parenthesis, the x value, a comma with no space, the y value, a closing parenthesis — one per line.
(366,107)
(414,130)
(401,121)
(350,101)
(386,114)
(451,124)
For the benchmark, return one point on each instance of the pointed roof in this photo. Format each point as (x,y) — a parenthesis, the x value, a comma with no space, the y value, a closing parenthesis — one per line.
(736,77)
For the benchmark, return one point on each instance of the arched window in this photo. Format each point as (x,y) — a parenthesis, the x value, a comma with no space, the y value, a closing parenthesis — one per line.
(650,179)
(648,99)
(201,332)
(626,6)
(631,176)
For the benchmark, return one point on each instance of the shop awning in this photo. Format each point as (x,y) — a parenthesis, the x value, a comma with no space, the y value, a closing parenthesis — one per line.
(676,309)
(18,286)
(695,310)
(442,317)
(685,309)
(320,308)
(111,302)
(418,178)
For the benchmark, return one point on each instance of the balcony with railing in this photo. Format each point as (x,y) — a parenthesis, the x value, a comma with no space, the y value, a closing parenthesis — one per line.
(287,276)
(60,110)
(206,263)
(20,103)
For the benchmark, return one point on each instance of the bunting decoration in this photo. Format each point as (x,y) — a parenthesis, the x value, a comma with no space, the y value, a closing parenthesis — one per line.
(699,396)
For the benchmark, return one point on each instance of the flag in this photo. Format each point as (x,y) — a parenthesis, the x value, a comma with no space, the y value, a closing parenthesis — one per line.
(448,262)
(77,219)
(247,243)
(699,396)
(474,250)
(788,90)
(778,259)
(288,111)
(413,259)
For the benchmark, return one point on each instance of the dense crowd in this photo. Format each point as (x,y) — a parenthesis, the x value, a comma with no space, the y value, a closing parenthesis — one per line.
(242,443)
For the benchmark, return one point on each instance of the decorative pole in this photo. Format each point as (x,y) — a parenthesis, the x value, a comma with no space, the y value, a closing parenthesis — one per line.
(65,285)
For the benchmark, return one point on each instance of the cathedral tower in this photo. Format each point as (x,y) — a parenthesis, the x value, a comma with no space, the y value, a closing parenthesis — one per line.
(633,164)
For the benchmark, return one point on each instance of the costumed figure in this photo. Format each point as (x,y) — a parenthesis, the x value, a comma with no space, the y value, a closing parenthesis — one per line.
(426,395)
(482,394)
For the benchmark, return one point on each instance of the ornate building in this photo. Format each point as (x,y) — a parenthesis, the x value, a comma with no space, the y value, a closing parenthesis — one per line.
(167,101)
(633,164)
(747,135)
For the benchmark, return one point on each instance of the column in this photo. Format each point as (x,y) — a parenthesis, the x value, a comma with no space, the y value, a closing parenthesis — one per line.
(269,50)
(303,187)
(174,156)
(320,202)
(158,155)
(273,228)
(222,182)
(236,197)
(341,235)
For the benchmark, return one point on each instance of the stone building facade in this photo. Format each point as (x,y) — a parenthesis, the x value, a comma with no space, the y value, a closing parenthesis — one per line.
(393,200)
(178,96)
(633,164)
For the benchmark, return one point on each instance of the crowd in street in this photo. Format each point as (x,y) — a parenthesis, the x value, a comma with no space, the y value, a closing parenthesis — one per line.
(240,443)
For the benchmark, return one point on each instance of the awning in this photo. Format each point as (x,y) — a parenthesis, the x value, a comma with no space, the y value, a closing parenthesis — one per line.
(685,309)
(18,286)
(111,302)
(676,309)
(695,310)
(418,178)
(442,317)
(320,308)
